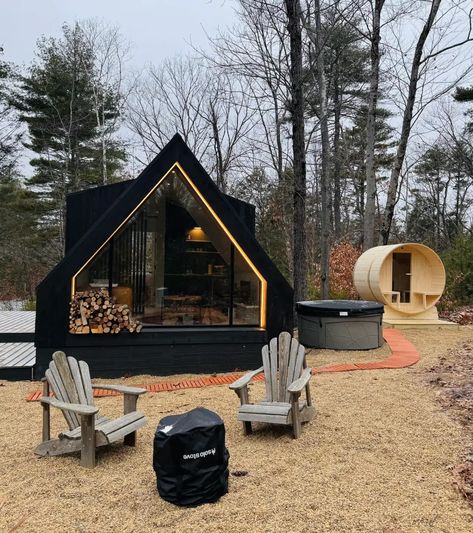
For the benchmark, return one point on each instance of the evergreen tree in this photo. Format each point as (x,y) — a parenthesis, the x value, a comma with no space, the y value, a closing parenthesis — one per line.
(458,262)
(464,94)
(57,101)
(9,130)
(353,149)
(22,258)
(441,199)
(273,218)
(346,73)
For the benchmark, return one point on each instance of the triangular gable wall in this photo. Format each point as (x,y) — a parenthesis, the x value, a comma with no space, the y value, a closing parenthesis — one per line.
(55,290)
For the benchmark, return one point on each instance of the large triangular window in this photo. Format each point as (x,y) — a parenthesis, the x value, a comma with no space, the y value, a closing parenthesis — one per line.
(174,263)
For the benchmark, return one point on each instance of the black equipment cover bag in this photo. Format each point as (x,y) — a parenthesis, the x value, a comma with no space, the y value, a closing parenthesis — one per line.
(190,458)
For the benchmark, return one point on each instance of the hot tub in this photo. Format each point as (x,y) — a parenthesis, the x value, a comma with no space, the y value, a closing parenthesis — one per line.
(340,324)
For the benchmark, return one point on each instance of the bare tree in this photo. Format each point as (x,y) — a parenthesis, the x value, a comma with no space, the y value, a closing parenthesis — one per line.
(111,55)
(316,36)
(167,99)
(210,112)
(293,12)
(418,69)
(370,206)
(257,51)
(231,120)
(368,18)
(443,179)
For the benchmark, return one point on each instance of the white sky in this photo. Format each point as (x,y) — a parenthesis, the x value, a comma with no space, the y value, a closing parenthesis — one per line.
(155,29)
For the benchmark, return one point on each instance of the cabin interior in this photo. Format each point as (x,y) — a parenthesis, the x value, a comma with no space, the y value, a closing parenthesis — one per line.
(173,264)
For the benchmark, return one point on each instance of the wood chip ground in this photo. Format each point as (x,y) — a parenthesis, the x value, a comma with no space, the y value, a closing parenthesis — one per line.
(376,458)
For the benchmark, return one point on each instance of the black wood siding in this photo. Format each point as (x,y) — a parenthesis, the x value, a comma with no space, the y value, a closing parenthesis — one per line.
(160,355)
(163,352)
(84,208)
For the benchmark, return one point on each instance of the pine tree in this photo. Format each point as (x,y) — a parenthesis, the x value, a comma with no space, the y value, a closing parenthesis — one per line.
(465,94)
(9,130)
(353,149)
(441,200)
(57,102)
(22,258)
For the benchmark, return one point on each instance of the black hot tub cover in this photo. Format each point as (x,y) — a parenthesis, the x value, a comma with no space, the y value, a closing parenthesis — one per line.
(339,308)
(190,458)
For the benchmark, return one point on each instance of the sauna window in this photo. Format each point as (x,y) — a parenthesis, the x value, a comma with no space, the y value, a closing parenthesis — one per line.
(174,265)
(402,276)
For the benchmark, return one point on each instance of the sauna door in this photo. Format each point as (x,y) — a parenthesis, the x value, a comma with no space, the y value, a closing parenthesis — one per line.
(402,276)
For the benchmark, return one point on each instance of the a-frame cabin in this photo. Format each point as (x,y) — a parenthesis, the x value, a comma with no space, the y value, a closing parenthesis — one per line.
(184,257)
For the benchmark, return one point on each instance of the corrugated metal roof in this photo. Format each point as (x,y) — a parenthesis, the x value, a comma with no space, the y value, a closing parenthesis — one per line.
(14,354)
(17,321)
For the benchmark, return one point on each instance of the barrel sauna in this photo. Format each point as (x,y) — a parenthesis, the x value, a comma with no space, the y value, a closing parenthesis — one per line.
(408,279)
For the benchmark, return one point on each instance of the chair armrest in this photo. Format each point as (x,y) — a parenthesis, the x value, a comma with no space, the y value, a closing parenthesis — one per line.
(136,391)
(74,407)
(299,384)
(244,380)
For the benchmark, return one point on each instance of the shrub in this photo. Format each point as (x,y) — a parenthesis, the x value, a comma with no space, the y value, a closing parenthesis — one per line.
(29,305)
(343,257)
(458,261)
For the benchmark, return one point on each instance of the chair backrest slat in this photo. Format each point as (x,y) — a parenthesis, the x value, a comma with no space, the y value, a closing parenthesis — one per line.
(66,375)
(292,365)
(87,382)
(76,375)
(61,393)
(267,372)
(56,388)
(299,362)
(273,356)
(284,347)
(283,362)
(70,381)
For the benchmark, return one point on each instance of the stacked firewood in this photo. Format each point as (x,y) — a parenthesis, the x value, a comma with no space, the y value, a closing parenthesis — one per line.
(95,311)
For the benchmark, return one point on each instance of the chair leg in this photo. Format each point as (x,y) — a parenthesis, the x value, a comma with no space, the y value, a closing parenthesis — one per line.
(296,419)
(129,405)
(87,455)
(46,423)
(130,439)
(244,399)
(46,414)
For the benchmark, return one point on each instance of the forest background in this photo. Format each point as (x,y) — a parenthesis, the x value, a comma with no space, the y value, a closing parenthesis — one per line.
(347,124)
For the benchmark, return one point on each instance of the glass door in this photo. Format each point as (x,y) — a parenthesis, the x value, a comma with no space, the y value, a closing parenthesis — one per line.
(402,276)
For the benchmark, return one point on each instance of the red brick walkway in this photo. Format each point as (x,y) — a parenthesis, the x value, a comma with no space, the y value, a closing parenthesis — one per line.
(403,354)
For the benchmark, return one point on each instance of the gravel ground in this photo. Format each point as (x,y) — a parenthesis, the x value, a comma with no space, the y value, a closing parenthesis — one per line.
(375,458)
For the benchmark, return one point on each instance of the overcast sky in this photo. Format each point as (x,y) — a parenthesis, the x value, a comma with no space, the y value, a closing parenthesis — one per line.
(156,29)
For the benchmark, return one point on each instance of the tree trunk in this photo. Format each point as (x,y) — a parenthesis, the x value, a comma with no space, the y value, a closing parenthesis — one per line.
(217,149)
(104,148)
(370,207)
(293,10)
(325,171)
(337,193)
(406,124)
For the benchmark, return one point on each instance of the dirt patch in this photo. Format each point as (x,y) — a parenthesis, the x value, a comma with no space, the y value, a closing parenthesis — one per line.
(317,357)
(452,377)
(375,459)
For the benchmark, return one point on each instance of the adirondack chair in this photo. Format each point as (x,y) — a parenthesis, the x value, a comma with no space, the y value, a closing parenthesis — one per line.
(286,375)
(70,382)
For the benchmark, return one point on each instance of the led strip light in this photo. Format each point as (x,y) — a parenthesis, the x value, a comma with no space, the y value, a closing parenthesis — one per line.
(250,263)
